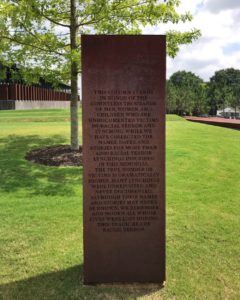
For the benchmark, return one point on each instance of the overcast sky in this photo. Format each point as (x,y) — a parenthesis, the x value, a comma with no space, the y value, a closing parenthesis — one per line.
(219,45)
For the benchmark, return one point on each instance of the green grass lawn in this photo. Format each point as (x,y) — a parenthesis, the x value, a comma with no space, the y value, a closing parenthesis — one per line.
(41,255)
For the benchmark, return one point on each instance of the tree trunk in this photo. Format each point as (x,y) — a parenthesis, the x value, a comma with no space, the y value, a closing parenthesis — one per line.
(74,80)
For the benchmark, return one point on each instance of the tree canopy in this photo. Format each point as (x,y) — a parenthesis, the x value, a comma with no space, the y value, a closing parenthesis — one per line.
(189,94)
(186,94)
(44,35)
(38,34)
(224,88)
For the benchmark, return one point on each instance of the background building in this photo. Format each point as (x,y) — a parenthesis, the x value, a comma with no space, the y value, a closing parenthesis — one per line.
(229,112)
(16,94)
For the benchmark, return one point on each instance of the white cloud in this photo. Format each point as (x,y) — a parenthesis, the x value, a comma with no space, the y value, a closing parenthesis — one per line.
(190,6)
(216,6)
(219,46)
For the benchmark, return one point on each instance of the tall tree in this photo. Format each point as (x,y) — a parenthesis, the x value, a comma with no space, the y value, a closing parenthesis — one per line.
(172,98)
(188,91)
(224,88)
(44,35)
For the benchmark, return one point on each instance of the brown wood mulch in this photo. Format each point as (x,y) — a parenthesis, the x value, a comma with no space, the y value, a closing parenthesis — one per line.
(58,155)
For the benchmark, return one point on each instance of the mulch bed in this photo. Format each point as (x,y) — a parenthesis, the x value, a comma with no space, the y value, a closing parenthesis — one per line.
(59,155)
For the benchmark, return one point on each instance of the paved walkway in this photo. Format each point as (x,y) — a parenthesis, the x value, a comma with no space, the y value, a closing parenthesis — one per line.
(229,123)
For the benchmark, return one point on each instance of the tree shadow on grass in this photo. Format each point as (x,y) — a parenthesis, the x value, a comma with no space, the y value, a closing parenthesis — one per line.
(16,173)
(68,284)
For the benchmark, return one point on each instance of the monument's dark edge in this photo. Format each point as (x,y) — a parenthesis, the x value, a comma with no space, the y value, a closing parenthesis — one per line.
(124,158)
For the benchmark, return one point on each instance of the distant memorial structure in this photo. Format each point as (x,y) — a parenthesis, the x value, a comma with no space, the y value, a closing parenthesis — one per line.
(124,158)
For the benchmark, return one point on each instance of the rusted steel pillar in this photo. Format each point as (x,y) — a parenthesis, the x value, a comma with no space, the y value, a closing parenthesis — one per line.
(25,92)
(13,92)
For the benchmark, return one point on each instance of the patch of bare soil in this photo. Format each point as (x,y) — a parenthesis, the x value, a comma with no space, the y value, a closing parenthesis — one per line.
(59,155)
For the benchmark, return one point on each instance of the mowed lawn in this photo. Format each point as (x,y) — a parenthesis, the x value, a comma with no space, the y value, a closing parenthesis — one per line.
(41,253)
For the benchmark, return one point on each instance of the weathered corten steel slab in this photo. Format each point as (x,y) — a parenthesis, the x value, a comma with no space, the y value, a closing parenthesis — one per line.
(124,158)
(216,121)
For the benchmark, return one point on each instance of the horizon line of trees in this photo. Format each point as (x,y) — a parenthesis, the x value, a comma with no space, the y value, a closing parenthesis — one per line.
(188,94)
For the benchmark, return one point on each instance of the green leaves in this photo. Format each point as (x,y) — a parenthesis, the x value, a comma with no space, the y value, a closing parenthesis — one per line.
(176,38)
(224,88)
(186,94)
(32,42)
(35,34)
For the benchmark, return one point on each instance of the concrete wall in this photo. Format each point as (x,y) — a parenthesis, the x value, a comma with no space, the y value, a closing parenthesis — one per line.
(7,104)
(35,104)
